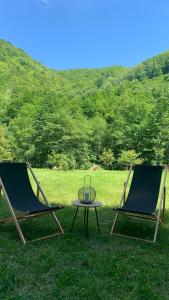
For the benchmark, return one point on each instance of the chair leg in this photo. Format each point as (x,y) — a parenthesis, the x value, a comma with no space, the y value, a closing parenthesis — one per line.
(0,192)
(136,238)
(164,198)
(87,218)
(84,221)
(156,230)
(74,218)
(161,206)
(18,228)
(97,220)
(57,222)
(20,233)
(115,218)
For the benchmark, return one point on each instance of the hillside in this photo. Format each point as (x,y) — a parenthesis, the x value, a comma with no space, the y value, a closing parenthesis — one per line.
(72,116)
(154,67)
(88,78)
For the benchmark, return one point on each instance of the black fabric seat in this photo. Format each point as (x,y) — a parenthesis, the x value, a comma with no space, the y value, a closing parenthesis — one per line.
(144,190)
(16,182)
(142,198)
(19,195)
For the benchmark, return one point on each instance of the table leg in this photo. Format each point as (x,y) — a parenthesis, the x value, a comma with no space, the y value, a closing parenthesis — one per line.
(84,215)
(87,217)
(97,220)
(74,218)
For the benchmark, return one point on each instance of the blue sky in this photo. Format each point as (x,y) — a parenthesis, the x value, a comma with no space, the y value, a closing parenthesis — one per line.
(64,34)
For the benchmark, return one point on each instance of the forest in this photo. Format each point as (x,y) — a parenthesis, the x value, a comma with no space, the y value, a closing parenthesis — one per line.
(74,119)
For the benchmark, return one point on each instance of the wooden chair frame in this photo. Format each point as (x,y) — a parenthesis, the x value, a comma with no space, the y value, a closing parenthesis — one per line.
(20,217)
(154,217)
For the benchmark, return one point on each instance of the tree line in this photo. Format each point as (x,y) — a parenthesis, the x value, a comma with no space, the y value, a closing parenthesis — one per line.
(77,118)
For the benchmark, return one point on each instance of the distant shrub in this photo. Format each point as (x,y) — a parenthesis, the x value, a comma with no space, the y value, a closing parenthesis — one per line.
(5,149)
(129,157)
(58,161)
(107,158)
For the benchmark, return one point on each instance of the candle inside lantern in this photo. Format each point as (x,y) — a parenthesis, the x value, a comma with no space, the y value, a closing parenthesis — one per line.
(86,196)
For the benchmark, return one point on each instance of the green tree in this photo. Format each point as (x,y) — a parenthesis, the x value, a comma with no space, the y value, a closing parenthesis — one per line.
(107,158)
(129,157)
(81,112)
(58,160)
(5,149)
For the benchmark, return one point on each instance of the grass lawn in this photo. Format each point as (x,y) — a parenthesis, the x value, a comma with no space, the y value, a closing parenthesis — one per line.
(72,267)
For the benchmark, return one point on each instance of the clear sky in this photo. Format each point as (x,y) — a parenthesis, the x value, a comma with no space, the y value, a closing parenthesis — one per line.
(65,34)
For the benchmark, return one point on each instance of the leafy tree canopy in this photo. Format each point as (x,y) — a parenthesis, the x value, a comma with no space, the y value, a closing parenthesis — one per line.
(5,149)
(72,116)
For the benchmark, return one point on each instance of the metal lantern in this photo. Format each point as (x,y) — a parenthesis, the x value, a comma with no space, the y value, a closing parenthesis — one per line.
(87,193)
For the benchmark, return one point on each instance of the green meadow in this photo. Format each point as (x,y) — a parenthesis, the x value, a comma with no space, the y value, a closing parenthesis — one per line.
(71,266)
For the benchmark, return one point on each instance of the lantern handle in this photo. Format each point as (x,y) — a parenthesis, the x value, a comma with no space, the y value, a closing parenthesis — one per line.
(86,178)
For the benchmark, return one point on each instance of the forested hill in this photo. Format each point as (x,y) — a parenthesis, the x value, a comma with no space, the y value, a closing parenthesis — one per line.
(72,117)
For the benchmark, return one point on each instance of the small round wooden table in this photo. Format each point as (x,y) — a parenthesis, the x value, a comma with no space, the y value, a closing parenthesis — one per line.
(94,205)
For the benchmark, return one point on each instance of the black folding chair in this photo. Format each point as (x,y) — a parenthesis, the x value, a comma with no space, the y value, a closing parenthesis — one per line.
(19,195)
(143,196)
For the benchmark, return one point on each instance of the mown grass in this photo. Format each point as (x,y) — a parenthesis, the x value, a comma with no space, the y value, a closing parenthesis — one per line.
(73,267)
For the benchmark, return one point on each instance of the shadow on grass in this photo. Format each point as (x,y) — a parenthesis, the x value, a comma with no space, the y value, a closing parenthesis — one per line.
(72,266)
(45,225)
